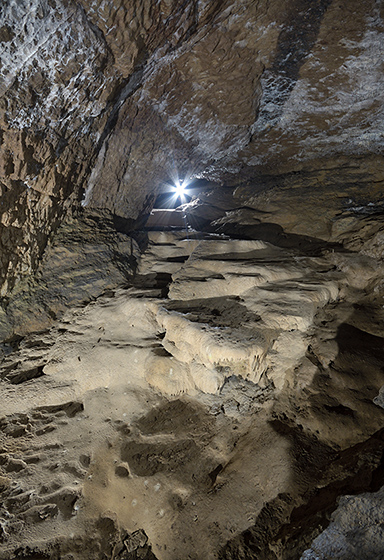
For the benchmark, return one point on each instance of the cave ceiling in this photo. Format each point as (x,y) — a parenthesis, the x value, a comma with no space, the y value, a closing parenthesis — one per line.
(103,102)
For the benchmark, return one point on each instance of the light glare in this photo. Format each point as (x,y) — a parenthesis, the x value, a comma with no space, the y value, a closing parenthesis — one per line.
(179,188)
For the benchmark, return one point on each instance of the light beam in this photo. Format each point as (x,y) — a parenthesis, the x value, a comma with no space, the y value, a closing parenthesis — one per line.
(180,188)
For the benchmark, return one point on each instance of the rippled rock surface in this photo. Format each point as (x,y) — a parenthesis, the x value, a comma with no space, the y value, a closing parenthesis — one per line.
(216,401)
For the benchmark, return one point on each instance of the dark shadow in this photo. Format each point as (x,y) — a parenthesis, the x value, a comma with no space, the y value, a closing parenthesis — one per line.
(275,234)
(153,281)
(216,312)
(297,38)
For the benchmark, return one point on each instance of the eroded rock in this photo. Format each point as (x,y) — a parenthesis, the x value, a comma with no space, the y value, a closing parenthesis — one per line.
(210,386)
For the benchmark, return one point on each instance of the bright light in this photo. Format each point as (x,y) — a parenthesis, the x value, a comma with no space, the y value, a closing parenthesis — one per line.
(179,188)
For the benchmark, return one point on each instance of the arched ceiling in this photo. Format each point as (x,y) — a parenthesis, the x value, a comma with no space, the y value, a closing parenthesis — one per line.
(103,101)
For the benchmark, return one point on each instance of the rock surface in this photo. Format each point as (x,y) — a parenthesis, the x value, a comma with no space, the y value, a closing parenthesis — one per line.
(220,401)
(355,531)
(207,384)
(106,102)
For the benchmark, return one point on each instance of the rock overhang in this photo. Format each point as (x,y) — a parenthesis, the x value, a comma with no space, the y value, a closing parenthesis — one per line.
(108,100)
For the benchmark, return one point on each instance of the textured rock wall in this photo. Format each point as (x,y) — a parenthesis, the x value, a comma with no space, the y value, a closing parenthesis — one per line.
(54,84)
(87,258)
(63,79)
(113,99)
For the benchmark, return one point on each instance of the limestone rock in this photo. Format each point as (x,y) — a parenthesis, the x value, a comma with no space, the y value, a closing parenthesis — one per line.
(209,383)
(112,100)
(354,532)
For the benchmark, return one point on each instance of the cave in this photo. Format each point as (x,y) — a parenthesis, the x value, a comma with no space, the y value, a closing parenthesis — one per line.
(191,280)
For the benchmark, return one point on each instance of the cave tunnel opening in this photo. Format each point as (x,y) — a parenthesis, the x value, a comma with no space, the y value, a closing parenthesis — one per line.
(172,196)
(171,209)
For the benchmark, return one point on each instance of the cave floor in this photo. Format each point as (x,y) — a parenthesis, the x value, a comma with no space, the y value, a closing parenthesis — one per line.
(189,404)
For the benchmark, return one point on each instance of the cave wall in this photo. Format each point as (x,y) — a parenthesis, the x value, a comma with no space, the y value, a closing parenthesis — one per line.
(104,102)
